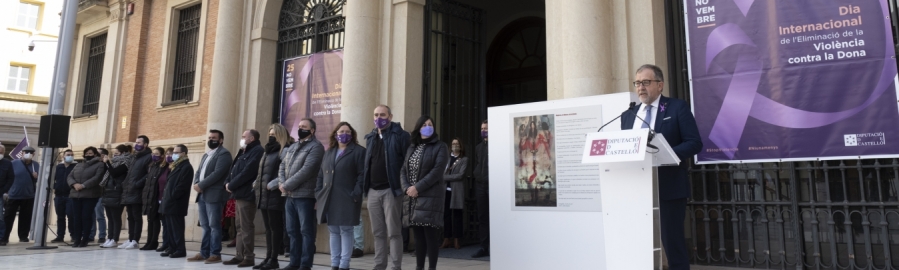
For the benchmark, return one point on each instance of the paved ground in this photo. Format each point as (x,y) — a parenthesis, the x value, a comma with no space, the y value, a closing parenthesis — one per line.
(16,256)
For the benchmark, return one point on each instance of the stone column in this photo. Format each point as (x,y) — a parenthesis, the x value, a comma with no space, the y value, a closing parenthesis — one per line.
(361,57)
(263,51)
(406,60)
(583,29)
(224,89)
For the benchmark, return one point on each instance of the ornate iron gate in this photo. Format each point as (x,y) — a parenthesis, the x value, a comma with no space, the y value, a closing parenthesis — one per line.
(453,91)
(841,214)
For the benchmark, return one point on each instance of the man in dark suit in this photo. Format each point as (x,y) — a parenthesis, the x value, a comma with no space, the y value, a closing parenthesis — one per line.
(672,118)
(209,183)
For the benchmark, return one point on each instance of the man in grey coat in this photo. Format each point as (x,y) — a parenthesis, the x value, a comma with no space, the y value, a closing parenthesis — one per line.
(209,183)
(297,177)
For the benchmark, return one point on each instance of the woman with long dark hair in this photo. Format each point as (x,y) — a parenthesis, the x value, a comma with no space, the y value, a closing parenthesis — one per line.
(151,197)
(117,171)
(422,180)
(338,192)
(86,190)
(269,199)
(455,194)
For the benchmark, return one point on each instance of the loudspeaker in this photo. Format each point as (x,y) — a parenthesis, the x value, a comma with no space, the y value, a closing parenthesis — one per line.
(54,131)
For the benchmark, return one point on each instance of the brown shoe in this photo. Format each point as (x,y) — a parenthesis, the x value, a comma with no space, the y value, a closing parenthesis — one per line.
(214,259)
(446,243)
(232,261)
(247,262)
(196,258)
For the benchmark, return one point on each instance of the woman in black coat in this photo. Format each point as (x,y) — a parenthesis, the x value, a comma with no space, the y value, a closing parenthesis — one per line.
(85,182)
(175,199)
(269,199)
(117,171)
(422,179)
(150,198)
(338,192)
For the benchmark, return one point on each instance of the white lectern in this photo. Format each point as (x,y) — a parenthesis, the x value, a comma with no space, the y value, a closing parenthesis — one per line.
(626,176)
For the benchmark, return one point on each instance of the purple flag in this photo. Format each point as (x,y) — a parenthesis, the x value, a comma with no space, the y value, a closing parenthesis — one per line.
(17,152)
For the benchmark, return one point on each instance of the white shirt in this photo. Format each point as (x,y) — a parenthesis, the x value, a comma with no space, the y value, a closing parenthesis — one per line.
(642,113)
(209,156)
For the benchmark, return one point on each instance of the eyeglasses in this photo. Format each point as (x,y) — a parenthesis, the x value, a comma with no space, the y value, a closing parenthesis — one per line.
(644,82)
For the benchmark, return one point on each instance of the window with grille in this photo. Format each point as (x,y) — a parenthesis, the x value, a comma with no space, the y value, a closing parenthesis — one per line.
(185,55)
(28,15)
(19,79)
(90,102)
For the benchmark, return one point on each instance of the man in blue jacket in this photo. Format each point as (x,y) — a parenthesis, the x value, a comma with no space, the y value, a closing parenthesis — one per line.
(20,197)
(61,194)
(672,118)
(6,179)
(384,155)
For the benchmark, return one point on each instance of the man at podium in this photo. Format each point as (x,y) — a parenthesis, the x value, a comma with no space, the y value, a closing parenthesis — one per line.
(672,118)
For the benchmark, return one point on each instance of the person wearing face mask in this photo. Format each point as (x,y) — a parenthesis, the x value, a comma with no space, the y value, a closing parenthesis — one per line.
(455,194)
(296,178)
(99,211)
(61,190)
(116,171)
(20,197)
(269,199)
(385,149)
(132,188)
(209,183)
(240,185)
(338,192)
(161,178)
(175,199)
(6,179)
(422,179)
(85,184)
(150,198)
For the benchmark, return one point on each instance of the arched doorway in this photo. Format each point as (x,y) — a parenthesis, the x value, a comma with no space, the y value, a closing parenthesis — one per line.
(306,27)
(516,63)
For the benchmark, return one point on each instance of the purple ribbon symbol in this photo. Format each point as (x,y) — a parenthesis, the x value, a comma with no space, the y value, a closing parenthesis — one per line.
(742,100)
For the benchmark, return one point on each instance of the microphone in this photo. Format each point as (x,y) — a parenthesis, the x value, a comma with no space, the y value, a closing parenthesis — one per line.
(631,106)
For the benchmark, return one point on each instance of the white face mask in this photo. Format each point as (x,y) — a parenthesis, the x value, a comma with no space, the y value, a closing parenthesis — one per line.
(243,143)
(176,156)
(27,156)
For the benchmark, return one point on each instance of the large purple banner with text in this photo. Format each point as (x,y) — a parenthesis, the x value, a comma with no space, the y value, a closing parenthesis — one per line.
(793,80)
(311,87)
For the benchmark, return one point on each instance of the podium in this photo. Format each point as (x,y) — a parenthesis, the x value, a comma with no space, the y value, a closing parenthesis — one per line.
(627,194)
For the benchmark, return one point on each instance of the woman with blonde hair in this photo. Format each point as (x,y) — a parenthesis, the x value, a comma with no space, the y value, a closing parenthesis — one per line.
(269,200)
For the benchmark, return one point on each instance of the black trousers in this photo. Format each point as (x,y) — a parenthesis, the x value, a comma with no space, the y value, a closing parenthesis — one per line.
(154,226)
(175,225)
(427,243)
(82,218)
(452,219)
(63,209)
(113,222)
(482,196)
(671,221)
(135,221)
(23,208)
(274,232)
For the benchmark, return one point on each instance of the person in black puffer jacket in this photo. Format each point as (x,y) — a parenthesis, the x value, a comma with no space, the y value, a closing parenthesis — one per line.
(116,172)
(240,184)
(132,187)
(150,198)
(84,181)
(422,180)
(268,198)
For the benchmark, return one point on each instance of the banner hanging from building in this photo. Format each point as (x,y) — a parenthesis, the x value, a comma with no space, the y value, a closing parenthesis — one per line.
(792,80)
(311,88)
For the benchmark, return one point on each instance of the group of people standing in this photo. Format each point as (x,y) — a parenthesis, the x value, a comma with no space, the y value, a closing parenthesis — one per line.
(411,180)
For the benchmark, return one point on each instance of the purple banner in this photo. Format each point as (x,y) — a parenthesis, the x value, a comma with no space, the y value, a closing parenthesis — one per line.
(311,87)
(792,80)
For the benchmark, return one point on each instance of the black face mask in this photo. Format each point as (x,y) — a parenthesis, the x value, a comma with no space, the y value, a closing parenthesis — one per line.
(88,158)
(272,139)
(212,144)
(303,133)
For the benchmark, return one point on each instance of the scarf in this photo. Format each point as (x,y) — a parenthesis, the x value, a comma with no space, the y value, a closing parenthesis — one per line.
(177,162)
(123,159)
